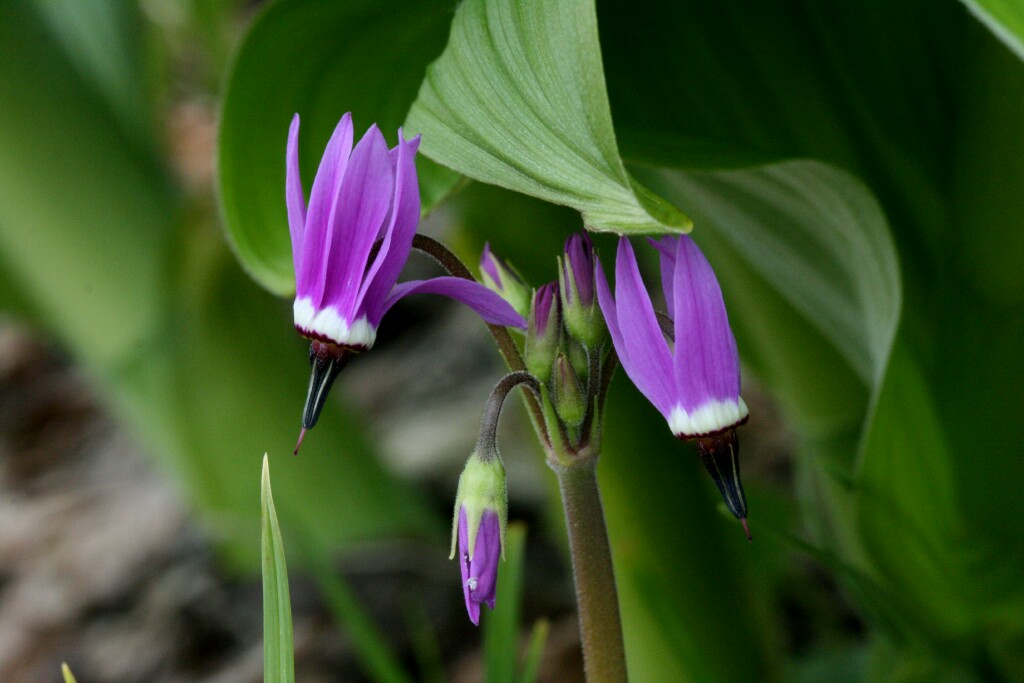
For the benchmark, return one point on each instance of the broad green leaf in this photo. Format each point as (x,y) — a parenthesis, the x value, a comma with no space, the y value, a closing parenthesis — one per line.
(84,210)
(501,626)
(1005,18)
(908,508)
(278,649)
(817,237)
(518,100)
(320,59)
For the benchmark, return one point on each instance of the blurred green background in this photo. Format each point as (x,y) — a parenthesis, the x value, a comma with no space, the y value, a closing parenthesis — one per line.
(854,172)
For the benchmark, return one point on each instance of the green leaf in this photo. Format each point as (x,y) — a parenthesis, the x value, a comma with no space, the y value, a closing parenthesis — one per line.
(1005,18)
(76,190)
(501,627)
(518,100)
(321,59)
(66,672)
(278,649)
(818,238)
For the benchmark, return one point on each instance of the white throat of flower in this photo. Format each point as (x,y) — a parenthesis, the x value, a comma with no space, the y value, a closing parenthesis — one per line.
(330,324)
(709,417)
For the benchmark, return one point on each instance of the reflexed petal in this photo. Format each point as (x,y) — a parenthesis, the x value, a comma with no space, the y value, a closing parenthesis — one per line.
(294,198)
(315,238)
(648,362)
(706,363)
(358,212)
(667,250)
(398,235)
(488,305)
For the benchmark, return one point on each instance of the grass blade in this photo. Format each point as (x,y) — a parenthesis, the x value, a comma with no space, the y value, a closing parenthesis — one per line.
(278,649)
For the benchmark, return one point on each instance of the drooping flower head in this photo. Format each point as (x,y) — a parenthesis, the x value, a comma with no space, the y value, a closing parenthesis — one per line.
(479,529)
(349,246)
(688,368)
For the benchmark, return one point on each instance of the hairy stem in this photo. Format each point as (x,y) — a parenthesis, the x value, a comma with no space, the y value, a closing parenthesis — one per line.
(604,656)
(492,411)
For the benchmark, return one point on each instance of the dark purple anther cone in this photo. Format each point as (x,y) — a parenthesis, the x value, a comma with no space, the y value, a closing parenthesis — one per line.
(720,455)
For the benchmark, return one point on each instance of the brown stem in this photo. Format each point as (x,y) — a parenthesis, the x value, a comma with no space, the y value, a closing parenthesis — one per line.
(604,655)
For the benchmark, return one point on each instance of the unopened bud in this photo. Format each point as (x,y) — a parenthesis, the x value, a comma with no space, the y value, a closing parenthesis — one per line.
(580,310)
(570,396)
(503,279)
(543,333)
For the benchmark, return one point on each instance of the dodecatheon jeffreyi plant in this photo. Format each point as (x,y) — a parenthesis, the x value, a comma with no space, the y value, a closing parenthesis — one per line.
(503,279)
(481,505)
(686,364)
(349,246)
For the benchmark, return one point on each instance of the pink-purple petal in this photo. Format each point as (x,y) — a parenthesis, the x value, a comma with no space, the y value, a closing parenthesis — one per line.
(706,362)
(399,231)
(649,363)
(488,305)
(311,276)
(359,210)
(294,197)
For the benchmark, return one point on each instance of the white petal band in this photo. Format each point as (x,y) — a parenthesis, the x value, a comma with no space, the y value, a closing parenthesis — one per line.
(708,418)
(330,325)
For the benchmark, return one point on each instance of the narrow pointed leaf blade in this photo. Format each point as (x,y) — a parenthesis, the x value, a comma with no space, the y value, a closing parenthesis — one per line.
(278,648)
(518,100)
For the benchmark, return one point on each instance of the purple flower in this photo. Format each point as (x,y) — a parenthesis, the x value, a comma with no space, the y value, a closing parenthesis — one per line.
(693,381)
(479,552)
(691,374)
(349,246)
(359,196)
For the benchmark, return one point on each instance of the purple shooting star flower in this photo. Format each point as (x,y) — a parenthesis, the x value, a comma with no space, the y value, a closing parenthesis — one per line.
(349,246)
(690,372)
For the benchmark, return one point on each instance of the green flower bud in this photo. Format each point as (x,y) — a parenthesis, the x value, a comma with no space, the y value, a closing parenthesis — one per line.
(570,396)
(544,332)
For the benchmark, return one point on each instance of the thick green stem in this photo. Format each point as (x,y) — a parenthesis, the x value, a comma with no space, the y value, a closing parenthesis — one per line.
(604,656)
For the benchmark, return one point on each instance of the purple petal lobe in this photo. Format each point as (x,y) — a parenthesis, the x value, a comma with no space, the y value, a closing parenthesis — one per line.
(359,210)
(647,361)
(706,362)
(472,606)
(310,278)
(483,567)
(399,231)
(488,305)
(294,198)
